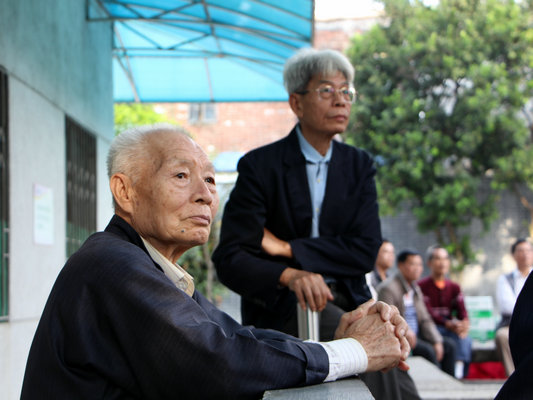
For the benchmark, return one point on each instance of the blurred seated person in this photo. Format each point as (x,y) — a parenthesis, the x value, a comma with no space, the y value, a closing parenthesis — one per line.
(124,320)
(507,290)
(384,262)
(445,303)
(402,291)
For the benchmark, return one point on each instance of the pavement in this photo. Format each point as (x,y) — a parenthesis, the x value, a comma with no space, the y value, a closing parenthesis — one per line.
(231,304)
(434,384)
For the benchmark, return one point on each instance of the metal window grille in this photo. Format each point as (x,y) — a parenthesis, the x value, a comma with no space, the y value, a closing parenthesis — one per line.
(81,185)
(4,201)
(200,113)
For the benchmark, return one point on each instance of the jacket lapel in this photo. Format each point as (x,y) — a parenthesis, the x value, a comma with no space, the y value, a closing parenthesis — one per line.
(297,186)
(335,190)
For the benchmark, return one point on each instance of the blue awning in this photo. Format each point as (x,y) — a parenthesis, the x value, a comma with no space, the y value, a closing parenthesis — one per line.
(203,50)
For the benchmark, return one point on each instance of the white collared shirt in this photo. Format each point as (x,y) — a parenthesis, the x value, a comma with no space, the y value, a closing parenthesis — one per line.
(317,175)
(174,272)
(506,295)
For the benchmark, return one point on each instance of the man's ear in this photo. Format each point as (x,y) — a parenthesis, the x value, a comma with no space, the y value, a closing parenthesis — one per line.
(122,189)
(296,104)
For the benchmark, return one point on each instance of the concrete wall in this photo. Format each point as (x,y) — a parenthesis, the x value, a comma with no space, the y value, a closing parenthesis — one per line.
(58,65)
(492,247)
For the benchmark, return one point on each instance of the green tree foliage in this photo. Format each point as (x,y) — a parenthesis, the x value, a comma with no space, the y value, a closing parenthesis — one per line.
(128,115)
(440,95)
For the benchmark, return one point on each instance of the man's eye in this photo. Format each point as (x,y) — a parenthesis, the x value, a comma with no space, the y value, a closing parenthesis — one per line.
(345,91)
(210,180)
(326,89)
(181,175)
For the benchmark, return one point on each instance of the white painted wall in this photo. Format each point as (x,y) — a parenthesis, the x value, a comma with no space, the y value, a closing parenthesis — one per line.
(58,65)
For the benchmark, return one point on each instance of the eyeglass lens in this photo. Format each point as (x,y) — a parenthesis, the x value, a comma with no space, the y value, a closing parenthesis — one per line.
(327,92)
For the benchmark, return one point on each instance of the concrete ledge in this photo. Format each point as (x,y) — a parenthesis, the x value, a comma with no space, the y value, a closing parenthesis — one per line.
(344,389)
(434,384)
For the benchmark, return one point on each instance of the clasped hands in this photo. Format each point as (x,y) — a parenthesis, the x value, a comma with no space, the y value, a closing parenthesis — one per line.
(381,330)
(459,327)
(377,326)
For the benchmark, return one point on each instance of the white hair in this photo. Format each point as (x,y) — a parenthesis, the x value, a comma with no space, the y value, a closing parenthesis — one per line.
(130,145)
(308,62)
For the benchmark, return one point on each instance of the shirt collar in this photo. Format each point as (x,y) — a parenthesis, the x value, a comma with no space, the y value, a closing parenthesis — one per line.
(406,285)
(518,275)
(309,152)
(174,272)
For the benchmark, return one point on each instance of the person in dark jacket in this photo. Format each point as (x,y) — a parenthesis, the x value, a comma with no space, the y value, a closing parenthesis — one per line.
(519,385)
(301,226)
(124,321)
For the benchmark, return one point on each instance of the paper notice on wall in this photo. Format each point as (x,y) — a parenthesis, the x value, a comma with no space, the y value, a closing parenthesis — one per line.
(43,215)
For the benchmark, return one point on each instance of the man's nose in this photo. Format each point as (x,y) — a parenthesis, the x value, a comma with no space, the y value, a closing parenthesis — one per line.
(339,98)
(203,192)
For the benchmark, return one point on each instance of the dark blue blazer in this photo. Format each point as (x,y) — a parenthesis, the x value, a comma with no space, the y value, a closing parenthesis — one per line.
(272,191)
(115,327)
(519,386)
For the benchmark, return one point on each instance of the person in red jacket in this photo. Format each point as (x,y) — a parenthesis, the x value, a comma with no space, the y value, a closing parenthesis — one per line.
(445,303)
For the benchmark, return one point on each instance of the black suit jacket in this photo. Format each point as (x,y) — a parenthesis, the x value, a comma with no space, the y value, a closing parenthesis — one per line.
(115,327)
(519,386)
(272,191)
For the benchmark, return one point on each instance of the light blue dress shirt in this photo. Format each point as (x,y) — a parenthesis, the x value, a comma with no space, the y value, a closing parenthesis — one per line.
(317,175)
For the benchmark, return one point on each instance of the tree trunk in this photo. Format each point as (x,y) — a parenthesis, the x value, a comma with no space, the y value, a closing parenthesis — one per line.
(210,272)
(527,205)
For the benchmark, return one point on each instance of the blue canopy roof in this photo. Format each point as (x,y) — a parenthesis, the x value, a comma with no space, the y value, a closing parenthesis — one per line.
(203,50)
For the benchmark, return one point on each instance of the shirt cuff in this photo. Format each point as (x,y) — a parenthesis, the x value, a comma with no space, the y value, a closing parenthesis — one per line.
(346,357)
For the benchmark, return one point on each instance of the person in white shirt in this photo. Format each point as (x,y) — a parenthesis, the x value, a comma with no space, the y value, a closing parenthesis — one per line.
(507,290)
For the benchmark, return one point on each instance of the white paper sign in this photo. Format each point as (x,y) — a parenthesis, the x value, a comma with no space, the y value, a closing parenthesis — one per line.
(43,215)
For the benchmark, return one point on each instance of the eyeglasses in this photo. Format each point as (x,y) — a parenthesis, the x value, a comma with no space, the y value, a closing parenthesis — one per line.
(328,92)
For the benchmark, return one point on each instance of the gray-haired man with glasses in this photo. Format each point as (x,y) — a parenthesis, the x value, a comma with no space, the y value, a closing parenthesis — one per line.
(301,225)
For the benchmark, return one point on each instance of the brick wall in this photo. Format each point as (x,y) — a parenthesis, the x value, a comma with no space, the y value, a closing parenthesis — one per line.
(238,126)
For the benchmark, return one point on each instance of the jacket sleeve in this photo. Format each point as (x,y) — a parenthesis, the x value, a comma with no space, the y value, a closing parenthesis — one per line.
(240,262)
(129,327)
(436,317)
(519,386)
(459,304)
(387,293)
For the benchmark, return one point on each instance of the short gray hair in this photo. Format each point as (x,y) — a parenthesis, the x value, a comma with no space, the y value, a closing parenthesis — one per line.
(308,62)
(432,249)
(130,146)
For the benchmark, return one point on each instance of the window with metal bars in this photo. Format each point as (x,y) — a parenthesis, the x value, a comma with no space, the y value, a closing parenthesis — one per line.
(81,185)
(4,200)
(202,113)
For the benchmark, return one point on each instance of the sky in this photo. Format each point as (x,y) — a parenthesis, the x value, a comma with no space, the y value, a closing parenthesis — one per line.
(332,9)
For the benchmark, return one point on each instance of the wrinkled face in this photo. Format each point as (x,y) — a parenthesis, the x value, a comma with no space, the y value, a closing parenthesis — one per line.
(385,257)
(411,268)
(175,198)
(523,255)
(324,116)
(439,264)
